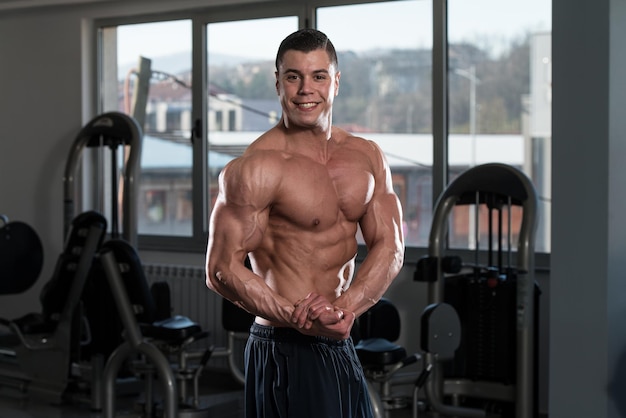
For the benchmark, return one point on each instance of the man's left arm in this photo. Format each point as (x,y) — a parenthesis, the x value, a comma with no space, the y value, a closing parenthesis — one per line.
(381,227)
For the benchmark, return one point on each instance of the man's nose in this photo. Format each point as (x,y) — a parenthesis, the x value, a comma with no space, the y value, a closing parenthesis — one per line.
(305,86)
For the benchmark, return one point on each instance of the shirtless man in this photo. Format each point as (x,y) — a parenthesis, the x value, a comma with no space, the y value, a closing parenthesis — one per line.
(293,203)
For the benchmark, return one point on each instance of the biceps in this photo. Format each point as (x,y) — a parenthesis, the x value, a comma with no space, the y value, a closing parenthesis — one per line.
(235,231)
(383,221)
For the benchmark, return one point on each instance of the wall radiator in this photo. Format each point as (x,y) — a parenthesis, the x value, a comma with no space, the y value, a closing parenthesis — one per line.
(190,297)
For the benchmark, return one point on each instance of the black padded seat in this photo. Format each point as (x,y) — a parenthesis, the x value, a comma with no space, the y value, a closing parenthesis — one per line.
(379,352)
(175,330)
(377,329)
(375,334)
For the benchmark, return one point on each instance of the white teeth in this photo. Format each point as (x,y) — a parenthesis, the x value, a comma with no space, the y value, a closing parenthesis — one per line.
(306,104)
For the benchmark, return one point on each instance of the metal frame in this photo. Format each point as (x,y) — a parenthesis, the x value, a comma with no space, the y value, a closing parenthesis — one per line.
(108,129)
(507,181)
(134,342)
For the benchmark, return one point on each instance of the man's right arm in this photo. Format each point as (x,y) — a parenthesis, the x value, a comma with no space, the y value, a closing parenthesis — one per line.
(238,222)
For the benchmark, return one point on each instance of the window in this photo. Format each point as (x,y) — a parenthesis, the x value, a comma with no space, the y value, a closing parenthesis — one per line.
(150,79)
(385,92)
(498,80)
(242,95)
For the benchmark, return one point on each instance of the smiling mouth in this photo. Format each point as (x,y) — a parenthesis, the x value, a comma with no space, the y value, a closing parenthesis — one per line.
(307,105)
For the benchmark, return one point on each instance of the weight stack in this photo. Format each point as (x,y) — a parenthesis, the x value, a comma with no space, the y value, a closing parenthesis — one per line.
(486,304)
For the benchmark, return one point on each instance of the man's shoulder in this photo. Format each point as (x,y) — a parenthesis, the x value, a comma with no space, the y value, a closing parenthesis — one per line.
(357,142)
(257,160)
(263,156)
(257,172)
(344,136)
(269,144)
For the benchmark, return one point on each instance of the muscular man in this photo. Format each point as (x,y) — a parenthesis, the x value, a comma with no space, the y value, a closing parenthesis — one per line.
(293,203)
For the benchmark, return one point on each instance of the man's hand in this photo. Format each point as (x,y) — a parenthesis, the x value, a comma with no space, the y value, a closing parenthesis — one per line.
(315,315)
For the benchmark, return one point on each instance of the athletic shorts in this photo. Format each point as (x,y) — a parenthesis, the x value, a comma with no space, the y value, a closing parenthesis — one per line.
(291,375)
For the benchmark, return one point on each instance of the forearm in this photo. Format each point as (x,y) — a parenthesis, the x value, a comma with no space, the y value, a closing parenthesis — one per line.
(378,270)
(248,291)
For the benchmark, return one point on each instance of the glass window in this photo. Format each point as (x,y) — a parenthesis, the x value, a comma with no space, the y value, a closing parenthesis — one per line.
(242,98)
(385,93)
(149,66)
(499,80)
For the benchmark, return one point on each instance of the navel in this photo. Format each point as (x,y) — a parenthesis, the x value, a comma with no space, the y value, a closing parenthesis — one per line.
(316,222)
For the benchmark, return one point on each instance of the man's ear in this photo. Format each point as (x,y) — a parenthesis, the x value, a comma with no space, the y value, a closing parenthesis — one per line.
(337,77)
(276,74)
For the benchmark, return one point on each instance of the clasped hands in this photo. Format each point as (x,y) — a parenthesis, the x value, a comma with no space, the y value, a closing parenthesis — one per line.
(315,315)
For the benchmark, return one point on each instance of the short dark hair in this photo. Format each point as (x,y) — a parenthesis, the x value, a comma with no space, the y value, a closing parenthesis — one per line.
(307,40)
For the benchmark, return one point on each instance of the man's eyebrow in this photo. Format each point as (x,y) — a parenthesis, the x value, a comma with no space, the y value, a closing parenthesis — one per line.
(293,70)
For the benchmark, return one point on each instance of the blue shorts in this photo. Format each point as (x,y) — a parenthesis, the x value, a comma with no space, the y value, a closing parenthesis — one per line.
(292,375)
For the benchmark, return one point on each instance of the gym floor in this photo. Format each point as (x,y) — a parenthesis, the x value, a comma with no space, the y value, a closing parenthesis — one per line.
(220,394)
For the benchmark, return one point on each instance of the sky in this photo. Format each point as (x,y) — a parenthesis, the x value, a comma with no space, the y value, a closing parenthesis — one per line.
(396,24)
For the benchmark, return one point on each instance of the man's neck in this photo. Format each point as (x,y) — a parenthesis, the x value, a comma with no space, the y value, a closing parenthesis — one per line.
(307,133)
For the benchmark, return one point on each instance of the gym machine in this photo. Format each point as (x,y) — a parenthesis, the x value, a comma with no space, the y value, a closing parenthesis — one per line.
(495,368)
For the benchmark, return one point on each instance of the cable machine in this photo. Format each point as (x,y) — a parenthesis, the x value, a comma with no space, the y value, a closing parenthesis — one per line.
(496,363)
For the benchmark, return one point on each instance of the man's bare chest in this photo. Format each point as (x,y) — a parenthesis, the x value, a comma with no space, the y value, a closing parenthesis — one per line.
(318,195)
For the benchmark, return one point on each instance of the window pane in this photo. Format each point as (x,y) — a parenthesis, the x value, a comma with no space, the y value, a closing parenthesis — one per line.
(153,84)
(242,94)
(385,93)
(500,98)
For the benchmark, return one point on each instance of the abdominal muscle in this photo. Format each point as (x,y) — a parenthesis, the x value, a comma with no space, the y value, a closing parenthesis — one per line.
(295,263)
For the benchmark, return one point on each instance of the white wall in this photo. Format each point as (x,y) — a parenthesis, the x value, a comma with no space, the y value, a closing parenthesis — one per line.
(40,112)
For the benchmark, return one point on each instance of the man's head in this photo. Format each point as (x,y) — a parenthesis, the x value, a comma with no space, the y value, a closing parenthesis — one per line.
(307,79)
(307,40)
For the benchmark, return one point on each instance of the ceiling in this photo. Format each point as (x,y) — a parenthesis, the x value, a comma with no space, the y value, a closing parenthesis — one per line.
(7,5)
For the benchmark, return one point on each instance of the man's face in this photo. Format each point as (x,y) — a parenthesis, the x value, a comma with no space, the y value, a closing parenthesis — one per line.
(307,84)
